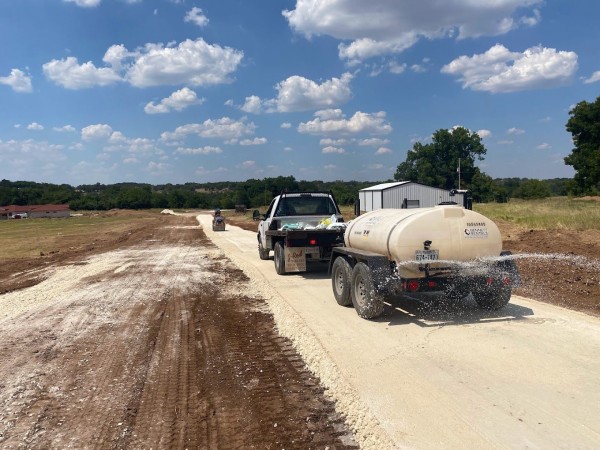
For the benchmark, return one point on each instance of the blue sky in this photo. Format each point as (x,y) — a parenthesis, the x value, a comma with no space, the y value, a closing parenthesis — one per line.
(175,91)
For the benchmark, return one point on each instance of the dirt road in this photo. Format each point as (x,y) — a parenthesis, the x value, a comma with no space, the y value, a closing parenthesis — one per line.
(157,344)
(523,377)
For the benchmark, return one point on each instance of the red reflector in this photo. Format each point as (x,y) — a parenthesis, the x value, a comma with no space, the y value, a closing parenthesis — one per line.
(431,284)
(489,281)
(313,242)
(505,281)
(413,285)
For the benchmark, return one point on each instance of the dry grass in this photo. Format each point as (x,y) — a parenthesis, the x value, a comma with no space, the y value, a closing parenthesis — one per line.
(555,213)
(27,238)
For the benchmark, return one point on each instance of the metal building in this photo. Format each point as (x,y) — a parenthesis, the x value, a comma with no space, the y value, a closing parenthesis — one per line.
(407,194)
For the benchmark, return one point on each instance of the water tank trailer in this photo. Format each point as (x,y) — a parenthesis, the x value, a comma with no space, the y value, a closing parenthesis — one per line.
(447,250)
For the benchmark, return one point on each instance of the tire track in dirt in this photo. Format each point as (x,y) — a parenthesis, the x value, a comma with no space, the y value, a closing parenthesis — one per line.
(160,346)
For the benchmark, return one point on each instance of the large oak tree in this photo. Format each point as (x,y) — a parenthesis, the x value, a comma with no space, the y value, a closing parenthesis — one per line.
(584,125)
(436,164)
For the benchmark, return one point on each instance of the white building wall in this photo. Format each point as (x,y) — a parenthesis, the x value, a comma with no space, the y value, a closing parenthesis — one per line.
(394,196)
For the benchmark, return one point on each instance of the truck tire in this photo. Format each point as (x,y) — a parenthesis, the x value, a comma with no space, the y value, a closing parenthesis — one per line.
(492,298)
(263,253)
(341,273)
(367,302)
(279,258)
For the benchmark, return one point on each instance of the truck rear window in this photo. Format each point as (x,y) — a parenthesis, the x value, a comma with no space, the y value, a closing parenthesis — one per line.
(305,206)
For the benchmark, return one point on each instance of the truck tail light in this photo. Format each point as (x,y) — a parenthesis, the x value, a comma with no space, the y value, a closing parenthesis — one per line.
(312,242)
(412,286)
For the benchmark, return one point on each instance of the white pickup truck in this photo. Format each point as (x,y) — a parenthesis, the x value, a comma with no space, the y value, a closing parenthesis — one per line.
(300,227)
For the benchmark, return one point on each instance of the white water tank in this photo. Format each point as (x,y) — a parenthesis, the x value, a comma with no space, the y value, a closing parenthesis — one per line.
(425,236)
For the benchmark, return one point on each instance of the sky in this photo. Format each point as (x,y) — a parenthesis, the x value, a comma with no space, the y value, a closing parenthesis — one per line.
(176,91)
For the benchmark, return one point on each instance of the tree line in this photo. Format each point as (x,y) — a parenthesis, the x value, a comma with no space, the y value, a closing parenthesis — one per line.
(253,193)
(447,162)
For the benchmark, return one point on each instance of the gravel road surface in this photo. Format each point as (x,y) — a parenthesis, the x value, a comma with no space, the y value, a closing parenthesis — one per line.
(426,377)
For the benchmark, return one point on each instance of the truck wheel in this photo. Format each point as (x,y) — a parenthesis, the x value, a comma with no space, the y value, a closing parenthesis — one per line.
(263,253)
(491,298)
(367,302)
(279,259)
(341,273)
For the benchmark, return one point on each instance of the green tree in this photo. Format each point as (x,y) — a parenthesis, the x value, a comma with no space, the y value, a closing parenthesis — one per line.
(584,125)
(531,189)
(436,164)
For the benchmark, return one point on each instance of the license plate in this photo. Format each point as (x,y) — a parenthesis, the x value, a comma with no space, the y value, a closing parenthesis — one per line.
(312,250)
(426,255)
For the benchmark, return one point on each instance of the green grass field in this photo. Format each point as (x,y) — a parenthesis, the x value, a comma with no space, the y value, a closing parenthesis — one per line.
(555,213)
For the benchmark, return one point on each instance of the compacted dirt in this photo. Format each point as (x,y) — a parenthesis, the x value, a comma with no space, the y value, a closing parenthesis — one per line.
(151,338)
(156,343)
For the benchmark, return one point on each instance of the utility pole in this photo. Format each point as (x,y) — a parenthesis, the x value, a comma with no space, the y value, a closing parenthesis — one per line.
(458,170)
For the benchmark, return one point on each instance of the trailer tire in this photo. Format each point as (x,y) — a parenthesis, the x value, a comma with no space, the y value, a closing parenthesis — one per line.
(492,298)
(279,258)
(367,302)
(263,253)
(341,274)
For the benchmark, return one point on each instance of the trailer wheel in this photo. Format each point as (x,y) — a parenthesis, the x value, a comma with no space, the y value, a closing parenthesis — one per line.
(366,300)
(263,253)
(341,273)
(279,259)
(492,298)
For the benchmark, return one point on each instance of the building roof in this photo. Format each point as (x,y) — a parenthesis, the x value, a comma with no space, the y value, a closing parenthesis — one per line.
(383,186)
(18,209)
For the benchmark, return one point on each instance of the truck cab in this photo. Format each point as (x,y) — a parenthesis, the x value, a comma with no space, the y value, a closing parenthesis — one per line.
(304,220)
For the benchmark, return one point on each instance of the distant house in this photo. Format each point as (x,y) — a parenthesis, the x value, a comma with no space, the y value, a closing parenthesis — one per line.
(34,211)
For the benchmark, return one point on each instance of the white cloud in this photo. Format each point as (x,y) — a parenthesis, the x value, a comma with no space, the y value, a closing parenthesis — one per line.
(224,128)
(506,142)
(375,166)
(331,121)
(332,149)
(198,151)
(373,142)
(382,27)
(301,94)
(66,128)
(35,126)
(515,131)
(192,62)
(334,142)
(196,17)
(484,133)
(297,93)
(594,78)
(544,146)
(383,151)
(84,3)
(157,167)
(498,70)
(249,164)
(255,141)
(71,75)
(178,101)
(195,63)
(203,171)
(253,104)
(18,81)
(329,167)
(21,157)
(286,125)
(96,132)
